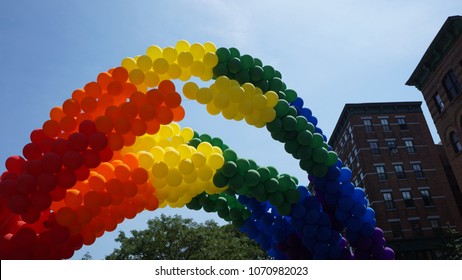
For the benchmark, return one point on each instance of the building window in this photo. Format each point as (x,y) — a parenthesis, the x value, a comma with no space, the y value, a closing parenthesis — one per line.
(436,226)
(374,145)
(399,171)
(385,124)
(402,122)
(367,124)
(427,198)
(417,167)
(456,145)
(388,198)
(451,84)
(396,230)
(409,146)
(392,146)
(439,102)
(416,228)
(381,172)
(408,201)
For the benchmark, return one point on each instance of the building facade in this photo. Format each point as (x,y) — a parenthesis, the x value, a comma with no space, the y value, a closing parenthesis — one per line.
(391,153)
(439,77)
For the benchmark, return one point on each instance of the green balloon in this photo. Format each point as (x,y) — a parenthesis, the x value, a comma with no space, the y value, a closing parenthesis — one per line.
(246,61)
(272,185)
(264,173)
(220,180)
(302,123)
(229,155)
(275,125)
(280,136)
(293,112)
(252,164)
(194,204)
(224,214)
(242,76)
(221,69)
(195,142)
(236,182)
(252,177)
(291,95)
(320,155)
(292,196)
(263,85)
(229,169)
(217,142)
(221,203)
(223,54)
(273,171)
(304,137)
(285,183)
(281,94)
(277,74)
(291,147)
(234,65)
(257,62)
(234,52)
(242,166)
(289,123)
(275,84)
(259,192)
(256,73)
(332,158)
(209,206)
(268,72)
(282,108)
(310,127)
(306,164)
(319,170)
(284,209)
(305,152)
(235,213)
(276,198)
(317,140)
(206,138)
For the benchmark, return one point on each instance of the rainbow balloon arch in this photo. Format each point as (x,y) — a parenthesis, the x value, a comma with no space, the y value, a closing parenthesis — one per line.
(115,149)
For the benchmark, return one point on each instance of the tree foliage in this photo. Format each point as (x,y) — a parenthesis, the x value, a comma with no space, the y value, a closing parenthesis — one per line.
(452,246)
(176,238)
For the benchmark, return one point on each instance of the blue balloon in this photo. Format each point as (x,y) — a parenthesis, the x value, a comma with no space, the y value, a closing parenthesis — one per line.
(313,120)
(312,216)
(298,102)
(347,189)
(359,194)
(345,174)
(354,224)
(324,233)
(306,113)
(369,215)
(359,209)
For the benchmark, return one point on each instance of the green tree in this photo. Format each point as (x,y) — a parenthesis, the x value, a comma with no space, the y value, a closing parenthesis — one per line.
(176,238)
(87,256)
(452,245)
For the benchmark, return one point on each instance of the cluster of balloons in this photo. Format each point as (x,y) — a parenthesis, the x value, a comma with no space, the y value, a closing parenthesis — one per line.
(234,102)
(178,171)
(115,149)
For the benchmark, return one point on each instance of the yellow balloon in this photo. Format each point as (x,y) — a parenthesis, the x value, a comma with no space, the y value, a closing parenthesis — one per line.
(151,79)
(144,62)
(159,169)
(190,90)
(174,71)
(165,131)
(191,178)
(185,151)
(221,100)
(154,52)
(272,99)
(204,95)
(197,68)
(206,148)
(170,54)
(210,47)
(197,50)
(160,66)
(145,160)
(186,166)
(185,59)
(231,111)
(136,76)
(198,159)
(171,157)
(129,63)
(212,109)
(182,46)
(205,173)
(174,177)
(158,153)
(187,133)
(210,60)
(236,94)
(215,161)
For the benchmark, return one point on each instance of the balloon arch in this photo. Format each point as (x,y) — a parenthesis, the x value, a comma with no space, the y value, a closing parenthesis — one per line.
(115,149)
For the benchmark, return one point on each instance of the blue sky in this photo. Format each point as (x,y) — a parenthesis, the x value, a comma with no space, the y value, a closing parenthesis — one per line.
(330,52)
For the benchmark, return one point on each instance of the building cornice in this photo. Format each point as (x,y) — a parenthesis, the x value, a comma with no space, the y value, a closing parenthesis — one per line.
(441,44)
(379,108)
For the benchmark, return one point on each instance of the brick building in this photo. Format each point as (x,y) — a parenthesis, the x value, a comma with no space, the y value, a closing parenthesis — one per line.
(390,150)
(438,76)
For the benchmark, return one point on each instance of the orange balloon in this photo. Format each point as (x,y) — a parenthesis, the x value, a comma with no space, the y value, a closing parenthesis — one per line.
(153,127)
(89,104)
(106,170)
(178,113)
(138,127)
(121,125)
(93,89)
(130,189)
(120,74)
(96,182)
(66,216)
(92,199)
(152,203)
(104,124)
(103,79)
(57,113)
(139,175)
(78,94)
(73,198)
(84,214)
(128,110)
(122,172)
(131,160)
(129,139)
(51,128)
(68,124)
(71,107)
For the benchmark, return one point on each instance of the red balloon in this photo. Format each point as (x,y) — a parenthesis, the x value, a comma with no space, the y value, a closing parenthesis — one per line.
(32,151)
(97,141)
(19,204)
(59,234)
(37,136)
(91,158)
(26,184)
(46,182)
(72,160)
(8,188)
(82,173)
(67,178)
(33,167)
(77,141)
(87,127)
(51,162)
(40,200)
(60,146)
(31,216)
(15,164)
